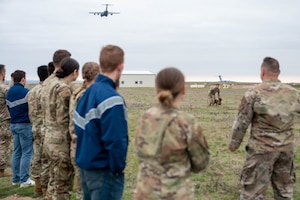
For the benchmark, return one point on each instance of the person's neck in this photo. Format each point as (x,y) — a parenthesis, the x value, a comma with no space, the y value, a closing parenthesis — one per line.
(68,79)
(112,76)
(270,78)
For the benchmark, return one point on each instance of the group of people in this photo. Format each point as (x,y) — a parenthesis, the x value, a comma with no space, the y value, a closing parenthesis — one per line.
(83,133)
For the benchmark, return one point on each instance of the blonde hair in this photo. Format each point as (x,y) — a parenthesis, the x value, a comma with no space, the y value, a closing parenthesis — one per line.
(89,72)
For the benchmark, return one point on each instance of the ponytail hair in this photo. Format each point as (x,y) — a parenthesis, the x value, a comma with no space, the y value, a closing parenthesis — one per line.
(169,83)
(67,67)
(90,70)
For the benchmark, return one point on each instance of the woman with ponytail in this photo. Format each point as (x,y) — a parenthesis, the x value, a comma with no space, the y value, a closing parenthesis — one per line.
(90,70)
(169,143)
(57,140)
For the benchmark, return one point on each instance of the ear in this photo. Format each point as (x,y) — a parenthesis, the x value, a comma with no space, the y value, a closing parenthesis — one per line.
(121,67)
(262,72)
(184,90)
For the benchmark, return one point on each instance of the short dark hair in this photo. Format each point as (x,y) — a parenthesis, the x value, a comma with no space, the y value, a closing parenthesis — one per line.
(59,55)
(271,65)
(51,68)
(67,66)
(2,67)
(42,72)
(18,75)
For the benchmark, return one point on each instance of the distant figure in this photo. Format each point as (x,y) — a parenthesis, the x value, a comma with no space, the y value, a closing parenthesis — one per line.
(5,133)
(36,118)
(169,143)
(212,96)
(90,70)
(57,138)
(270,108)
(101,126)
(17,102)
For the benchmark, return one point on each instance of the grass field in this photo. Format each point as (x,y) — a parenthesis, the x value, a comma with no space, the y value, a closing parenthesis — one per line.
(220,181)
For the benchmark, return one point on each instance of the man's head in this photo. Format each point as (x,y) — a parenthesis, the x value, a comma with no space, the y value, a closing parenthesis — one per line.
(2,72)
(111,59)
(59,55)
(217,85)
(42,72)
(18,76)
(269,69)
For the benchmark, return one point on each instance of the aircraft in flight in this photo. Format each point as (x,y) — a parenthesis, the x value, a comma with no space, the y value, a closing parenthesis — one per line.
(105,13)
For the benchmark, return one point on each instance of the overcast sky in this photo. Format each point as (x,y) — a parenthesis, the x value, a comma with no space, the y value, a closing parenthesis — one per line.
(203,38)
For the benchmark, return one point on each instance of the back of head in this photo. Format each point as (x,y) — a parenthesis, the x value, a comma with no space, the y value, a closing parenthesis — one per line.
(271,66)
(68,66)
(42,72)
(90,70)
(51,68)
(111,57)
(2,67)
(169,83)
(18,75)
(59,55)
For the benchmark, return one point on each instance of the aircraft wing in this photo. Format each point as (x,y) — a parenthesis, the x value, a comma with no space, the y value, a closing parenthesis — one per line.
(96,13)
(110,13)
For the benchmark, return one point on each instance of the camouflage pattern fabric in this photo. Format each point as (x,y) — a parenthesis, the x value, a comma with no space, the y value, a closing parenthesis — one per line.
(5,133)
(5,141)
(36,119)
(170,146)
(270,108)
(259,168)
(73,103)
(44,176)
(57,139)
(212,95)
(4,113)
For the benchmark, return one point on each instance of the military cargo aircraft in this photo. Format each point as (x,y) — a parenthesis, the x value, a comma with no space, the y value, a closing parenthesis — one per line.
(104,13)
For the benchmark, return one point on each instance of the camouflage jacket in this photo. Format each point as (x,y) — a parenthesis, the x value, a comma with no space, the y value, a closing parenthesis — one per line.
(170,145)
(35,109)
(4,113)
(270,108)
(214,91)
(73,103)
(56,109)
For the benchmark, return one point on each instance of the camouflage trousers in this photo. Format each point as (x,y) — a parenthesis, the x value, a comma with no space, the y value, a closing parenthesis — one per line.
(261,168)
(61,171)
(5,142)
(36,163)
(211,100)
(76,173)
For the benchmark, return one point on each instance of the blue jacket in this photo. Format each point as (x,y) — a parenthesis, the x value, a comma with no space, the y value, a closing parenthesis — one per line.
(100,121)
(17,104)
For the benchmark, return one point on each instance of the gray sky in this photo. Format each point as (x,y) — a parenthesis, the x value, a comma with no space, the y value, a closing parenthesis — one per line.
(203,38)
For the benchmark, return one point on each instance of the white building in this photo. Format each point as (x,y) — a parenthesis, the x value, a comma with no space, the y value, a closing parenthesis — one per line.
(137,79)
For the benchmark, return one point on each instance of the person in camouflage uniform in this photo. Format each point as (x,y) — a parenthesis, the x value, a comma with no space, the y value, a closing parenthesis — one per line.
(53,66)
(5,133)
(57,138)
(90,70)
(212,95)
(36,118)
(169,143)
(270,108)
